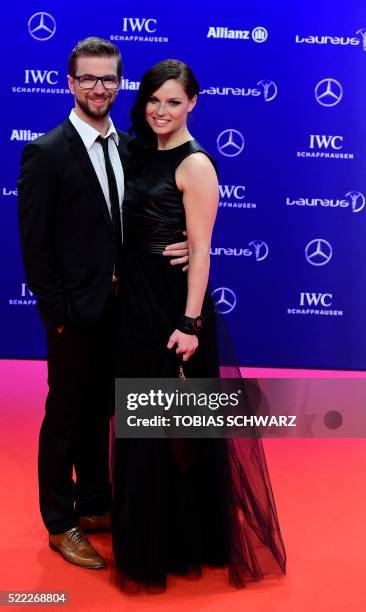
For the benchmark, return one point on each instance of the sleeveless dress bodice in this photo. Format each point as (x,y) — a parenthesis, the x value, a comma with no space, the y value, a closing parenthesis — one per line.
(153,212)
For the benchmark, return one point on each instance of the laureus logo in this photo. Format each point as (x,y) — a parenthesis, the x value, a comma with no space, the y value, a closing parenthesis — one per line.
(257,249)
(362,34)
(353,200)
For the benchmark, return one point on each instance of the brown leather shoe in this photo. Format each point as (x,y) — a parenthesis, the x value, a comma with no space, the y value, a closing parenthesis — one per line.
(75,547)
(94,523)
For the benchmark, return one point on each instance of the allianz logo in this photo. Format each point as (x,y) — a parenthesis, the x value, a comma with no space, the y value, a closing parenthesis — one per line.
(316,299)
(258,249)
(267,88)
(126,84)
(25,135)
(334,40)
(258,34)
(354,200)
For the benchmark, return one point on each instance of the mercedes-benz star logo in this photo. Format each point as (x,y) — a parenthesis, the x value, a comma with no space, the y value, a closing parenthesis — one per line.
(270,89)
(358,200)
(328,92)
(318,252)
(224,300)
(261,249)
(41,26)
(230,143)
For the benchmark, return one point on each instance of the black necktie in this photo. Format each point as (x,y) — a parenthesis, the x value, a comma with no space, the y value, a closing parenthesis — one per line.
(114,198)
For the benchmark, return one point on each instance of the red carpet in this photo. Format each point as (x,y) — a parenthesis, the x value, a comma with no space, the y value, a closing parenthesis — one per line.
(320,489)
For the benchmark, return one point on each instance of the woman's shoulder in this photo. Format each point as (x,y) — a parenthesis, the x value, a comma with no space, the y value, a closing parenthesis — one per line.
(196,157)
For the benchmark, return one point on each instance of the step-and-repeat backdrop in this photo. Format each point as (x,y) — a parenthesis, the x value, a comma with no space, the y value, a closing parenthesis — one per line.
(282,109)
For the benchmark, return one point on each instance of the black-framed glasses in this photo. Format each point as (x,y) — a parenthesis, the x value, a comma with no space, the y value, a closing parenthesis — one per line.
(89,81)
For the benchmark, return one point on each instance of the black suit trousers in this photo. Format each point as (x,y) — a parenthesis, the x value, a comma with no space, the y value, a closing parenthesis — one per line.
(73,461)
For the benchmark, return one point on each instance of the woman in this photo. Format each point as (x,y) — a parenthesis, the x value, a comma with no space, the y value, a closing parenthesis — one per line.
(179,504)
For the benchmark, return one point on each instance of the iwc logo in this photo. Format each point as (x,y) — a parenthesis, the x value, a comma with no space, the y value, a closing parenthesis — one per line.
(325,146)
(140,29)
(315,304)
(25,297)
(234,197)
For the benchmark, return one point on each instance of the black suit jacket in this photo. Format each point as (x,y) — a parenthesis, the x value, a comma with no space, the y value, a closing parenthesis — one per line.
(66,230)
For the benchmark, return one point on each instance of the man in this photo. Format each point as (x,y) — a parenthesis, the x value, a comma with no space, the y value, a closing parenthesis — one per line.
(70,194)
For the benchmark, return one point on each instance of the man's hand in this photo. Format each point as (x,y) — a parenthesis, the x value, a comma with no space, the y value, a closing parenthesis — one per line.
(186,344)
(60,329)
(179,253)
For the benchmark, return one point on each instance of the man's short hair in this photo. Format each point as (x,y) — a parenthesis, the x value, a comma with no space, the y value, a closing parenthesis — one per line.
(94,47)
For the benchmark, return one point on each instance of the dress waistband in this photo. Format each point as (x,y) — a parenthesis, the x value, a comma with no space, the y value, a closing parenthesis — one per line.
(145,247)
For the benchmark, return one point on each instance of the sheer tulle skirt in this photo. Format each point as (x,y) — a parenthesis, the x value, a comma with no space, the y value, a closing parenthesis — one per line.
(181,504)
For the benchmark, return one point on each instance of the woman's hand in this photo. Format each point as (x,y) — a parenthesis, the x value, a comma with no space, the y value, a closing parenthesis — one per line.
(186,344)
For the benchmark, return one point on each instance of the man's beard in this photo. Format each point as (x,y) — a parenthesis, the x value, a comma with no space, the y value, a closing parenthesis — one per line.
(97,113)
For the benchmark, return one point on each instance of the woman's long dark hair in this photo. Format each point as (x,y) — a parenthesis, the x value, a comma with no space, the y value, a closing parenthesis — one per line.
(145,139)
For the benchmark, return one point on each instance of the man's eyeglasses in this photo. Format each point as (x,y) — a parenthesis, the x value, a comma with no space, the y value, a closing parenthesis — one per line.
(89,81)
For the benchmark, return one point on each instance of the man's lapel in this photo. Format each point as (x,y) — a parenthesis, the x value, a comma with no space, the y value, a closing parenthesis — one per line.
(81,154)
(123,140)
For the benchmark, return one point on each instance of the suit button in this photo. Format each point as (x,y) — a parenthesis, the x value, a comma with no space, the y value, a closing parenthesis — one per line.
(113,238)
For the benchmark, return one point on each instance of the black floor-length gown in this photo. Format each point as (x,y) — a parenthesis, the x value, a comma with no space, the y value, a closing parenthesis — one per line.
(179,504)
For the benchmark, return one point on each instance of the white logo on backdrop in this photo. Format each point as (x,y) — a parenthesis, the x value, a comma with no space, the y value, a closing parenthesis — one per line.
(25,298)
(315,304)
(326,146)
(140,29)
(259,34)
(270,89)
(224,300)
(138,24)
(41,76)
(318,252)
(316,299)
(322,141)
(230,143)
(356,202)
(267,90)
(362,33)
(260,249)
(257,248)
(340,41)
(233,196)
(42,26)
(328,92)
